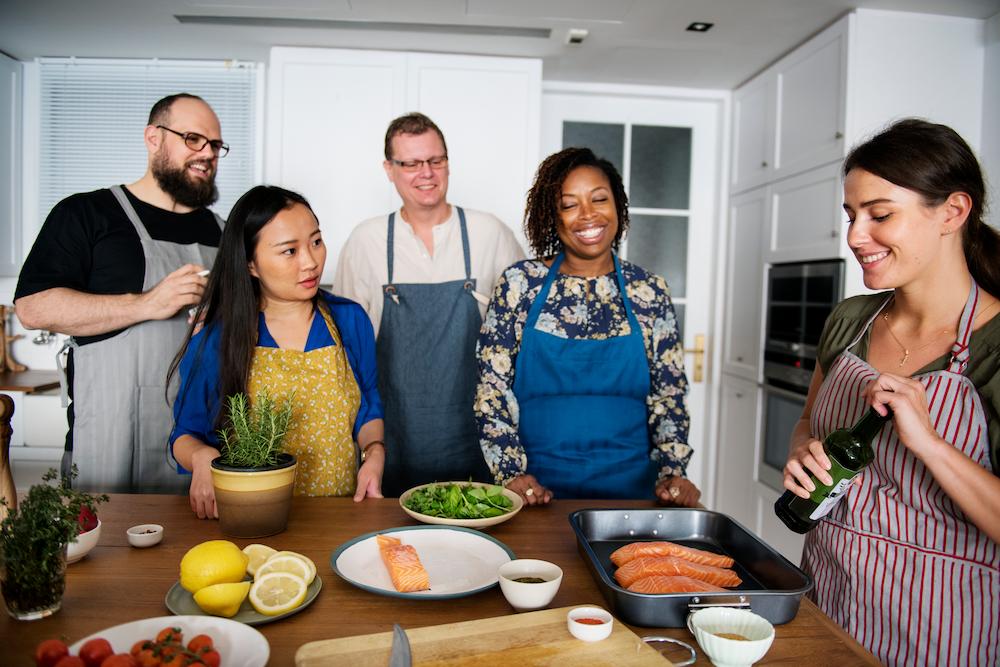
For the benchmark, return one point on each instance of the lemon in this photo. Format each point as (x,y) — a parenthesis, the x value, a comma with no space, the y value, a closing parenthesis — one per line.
(308,561)
(222,599)
(212,562)
(287,563)
(258,554)
(275,593)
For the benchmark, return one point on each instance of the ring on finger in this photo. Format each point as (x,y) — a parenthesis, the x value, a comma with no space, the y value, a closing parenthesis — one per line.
(674,491)
(529,492)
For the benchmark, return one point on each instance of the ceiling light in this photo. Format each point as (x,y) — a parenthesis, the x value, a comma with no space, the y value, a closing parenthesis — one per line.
(575,36)
(700,26)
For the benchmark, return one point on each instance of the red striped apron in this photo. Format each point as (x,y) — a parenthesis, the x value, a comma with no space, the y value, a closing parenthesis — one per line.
(896,563)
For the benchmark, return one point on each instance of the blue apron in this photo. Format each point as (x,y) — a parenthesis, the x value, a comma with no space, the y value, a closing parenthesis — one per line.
(426,356)
(582,402)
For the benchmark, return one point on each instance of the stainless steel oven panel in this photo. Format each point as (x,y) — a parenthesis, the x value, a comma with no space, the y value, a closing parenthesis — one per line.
(781,411)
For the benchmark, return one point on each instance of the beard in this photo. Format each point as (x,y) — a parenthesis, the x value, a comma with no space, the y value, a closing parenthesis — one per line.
(193,193)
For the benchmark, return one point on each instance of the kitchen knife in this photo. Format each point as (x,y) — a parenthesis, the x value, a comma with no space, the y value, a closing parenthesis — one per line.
(400,656)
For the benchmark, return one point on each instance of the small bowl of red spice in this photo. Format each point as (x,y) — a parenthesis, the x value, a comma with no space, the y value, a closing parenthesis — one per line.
(591,624)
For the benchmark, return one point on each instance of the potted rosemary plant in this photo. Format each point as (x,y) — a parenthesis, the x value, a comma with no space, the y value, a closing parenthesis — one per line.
(33,539)
(253,478)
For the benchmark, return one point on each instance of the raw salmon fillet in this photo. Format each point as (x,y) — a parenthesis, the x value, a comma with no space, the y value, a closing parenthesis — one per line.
(646,566)
(403,564)
(662,583)
(639,549)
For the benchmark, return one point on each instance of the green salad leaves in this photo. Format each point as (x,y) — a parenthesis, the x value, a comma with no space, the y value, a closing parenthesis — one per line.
(460,501)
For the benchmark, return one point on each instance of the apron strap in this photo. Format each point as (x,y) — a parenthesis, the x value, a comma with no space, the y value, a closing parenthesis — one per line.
(864,330)
(465,248)
(389,242)
(543,294)
(960,350)
(133,217)
(632,321)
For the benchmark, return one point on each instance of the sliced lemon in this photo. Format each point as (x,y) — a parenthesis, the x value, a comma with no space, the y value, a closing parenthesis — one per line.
(275,593)
(222,599)
(308,561)
(258,554)
(287,563)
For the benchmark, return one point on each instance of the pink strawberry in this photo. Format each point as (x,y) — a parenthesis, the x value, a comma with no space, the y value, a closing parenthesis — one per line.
(87,520)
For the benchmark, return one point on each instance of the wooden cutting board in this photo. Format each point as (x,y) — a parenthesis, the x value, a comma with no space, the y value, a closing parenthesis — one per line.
(535,638)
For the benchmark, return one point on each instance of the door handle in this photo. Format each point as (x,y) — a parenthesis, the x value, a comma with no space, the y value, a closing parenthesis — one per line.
(698,372)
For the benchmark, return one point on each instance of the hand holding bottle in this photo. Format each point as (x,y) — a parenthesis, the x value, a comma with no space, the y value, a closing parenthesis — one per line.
(906,399)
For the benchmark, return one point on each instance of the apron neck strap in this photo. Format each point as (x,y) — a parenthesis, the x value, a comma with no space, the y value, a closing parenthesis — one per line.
(960,350)
(133,217)
(390,242)
(465,243)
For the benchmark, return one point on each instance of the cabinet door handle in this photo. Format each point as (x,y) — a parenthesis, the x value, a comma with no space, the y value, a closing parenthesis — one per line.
(739,394)
(838,135)
(834,233)
(764,164)
(739,359)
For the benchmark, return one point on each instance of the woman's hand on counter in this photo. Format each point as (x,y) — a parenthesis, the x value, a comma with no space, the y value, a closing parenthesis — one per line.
(678,491)
(370,474)
(530,490)
(202,492)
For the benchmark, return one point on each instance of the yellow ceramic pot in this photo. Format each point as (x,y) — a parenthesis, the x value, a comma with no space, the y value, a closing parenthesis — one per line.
(254,502)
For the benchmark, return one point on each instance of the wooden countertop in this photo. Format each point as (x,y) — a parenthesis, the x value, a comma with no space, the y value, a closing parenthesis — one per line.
(29,381)
(116,583)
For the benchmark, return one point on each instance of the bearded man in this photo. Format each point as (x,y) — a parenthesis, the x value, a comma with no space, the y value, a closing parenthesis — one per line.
(116,269)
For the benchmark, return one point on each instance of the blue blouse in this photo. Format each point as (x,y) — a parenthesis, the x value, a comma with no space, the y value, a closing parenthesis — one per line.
(199,400)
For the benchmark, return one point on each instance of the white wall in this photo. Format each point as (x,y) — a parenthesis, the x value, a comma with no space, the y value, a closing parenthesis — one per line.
(990,148)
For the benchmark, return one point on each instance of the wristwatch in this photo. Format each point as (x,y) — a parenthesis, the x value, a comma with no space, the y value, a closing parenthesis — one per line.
(364,452)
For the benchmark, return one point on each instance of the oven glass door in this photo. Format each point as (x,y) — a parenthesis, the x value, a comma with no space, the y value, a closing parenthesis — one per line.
(782,410)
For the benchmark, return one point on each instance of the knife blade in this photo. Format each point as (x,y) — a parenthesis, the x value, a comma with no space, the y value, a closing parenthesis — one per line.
(400,655)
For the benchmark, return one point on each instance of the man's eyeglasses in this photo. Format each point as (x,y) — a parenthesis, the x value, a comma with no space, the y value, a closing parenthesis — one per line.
(197,142)
(437,162)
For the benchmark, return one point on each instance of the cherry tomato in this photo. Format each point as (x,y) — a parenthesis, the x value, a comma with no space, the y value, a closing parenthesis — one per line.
(199,643)
(173,660)
(140,646)
(94,651)
(48,652)
(70,661)
(211,658)
(119,660)
(170,635)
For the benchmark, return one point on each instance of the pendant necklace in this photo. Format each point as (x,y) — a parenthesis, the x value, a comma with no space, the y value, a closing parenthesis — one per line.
(906,350)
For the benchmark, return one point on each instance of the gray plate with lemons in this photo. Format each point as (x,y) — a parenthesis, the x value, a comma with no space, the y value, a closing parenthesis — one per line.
(180,602)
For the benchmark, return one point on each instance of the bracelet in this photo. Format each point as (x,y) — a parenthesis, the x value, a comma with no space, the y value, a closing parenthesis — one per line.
(364,452)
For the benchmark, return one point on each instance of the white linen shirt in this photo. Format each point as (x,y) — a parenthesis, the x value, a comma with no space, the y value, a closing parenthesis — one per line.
(362,269)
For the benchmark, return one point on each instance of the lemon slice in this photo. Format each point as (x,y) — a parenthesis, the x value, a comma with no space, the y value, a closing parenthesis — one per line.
(275,593)
(306,559)
(222,599)
(287,563)
(258,554)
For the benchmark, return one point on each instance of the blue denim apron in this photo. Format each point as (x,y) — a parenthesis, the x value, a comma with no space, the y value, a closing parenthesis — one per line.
(582,402)
(426,356)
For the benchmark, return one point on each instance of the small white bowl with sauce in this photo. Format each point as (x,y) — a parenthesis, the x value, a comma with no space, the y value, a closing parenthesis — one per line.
(591,624)
(145,535)
(528,583)
(731,637)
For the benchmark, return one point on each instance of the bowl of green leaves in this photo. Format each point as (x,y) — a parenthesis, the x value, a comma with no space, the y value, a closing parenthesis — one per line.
(466,504)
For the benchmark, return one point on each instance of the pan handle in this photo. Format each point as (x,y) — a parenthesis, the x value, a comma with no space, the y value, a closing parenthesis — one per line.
(737,602)
(692,656)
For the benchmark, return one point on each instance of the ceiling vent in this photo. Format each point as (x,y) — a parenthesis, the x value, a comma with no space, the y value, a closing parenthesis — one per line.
(575,36)
(386,26)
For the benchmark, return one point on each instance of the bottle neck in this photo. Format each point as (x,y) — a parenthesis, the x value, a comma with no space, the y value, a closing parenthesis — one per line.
(869,425)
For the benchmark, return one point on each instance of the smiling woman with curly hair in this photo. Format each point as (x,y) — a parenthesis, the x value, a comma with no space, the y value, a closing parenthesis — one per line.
(581,381)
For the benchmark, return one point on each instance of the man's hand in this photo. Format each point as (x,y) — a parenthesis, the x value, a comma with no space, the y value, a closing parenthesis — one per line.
(180,289)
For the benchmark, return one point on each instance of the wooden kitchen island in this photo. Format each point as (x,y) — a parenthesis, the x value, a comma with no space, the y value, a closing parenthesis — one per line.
(116,583)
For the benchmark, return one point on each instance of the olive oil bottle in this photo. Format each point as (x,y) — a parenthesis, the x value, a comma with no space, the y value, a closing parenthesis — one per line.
(849,451)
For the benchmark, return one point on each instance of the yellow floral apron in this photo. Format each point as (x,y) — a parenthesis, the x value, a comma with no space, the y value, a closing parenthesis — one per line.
(326,404)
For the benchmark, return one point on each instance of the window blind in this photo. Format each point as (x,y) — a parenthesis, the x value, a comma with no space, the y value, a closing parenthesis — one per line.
(93,113)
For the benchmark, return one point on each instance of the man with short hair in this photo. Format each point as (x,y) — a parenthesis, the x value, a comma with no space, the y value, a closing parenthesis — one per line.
(424,275)
(116,269)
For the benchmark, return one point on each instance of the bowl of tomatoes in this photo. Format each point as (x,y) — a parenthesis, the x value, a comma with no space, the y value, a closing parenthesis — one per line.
(88,533)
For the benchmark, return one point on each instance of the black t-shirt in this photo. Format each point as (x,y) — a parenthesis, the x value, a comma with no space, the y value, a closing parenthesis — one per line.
(88,244)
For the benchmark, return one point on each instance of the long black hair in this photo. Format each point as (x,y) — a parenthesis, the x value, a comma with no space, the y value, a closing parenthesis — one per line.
(541,213)
(232,297)
(934,161)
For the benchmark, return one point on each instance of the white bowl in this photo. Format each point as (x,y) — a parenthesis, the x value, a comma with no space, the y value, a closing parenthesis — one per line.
(707,624)
(524,596)
(83,543)
(145,535)
(589,632)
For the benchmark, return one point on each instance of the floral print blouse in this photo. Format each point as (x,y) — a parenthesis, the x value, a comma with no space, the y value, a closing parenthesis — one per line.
(578,307)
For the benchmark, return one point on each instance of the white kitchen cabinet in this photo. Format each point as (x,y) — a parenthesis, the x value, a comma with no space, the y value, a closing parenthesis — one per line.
(328,110)
(753,133)
(10,166)
(811,103)
(805,221)
(771,529)
(738,436)
(748,215)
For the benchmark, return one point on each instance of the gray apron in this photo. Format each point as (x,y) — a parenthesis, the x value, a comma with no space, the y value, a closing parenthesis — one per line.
(426,356)
(122,418)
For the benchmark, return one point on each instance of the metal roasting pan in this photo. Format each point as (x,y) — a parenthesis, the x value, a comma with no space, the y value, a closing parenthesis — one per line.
(772,586)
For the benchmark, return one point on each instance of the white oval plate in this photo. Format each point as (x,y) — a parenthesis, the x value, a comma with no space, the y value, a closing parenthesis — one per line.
(459,561)
(238,645)
(465,523)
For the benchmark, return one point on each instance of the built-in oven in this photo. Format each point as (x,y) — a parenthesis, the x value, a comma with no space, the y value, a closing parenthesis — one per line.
(800,297)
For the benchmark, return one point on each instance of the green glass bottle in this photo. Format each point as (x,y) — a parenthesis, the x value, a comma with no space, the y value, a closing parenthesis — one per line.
(849,451)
